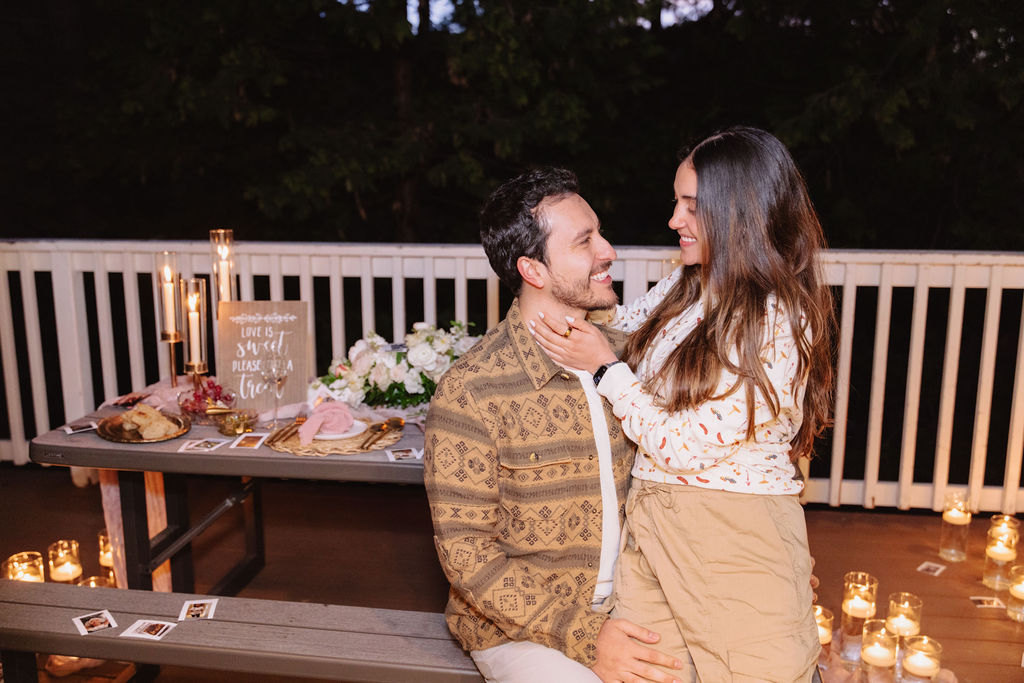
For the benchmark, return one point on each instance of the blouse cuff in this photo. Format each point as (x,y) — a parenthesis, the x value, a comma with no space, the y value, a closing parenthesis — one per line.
(616,378)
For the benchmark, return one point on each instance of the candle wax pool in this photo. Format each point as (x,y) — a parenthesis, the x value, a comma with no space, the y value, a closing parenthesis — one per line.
(902,625)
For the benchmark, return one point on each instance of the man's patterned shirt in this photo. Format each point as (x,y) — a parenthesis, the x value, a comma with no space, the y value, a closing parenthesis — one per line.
(511,471)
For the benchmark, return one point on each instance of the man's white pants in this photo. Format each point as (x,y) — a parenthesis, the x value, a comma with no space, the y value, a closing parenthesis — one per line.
(527,662)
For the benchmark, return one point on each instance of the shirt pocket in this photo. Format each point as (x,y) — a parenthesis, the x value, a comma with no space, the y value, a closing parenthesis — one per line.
(534,486)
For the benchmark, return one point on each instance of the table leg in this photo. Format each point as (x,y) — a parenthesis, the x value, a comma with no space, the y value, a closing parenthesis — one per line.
(176,498)
(134,521)
(19,667)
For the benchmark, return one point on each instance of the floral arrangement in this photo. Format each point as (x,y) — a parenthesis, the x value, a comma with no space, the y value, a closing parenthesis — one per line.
(398,375)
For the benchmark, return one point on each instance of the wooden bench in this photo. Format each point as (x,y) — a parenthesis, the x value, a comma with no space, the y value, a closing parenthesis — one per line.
(246,635)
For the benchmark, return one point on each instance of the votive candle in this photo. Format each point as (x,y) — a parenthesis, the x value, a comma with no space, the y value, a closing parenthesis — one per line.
(65,565)
(1015,600)
(879,645)
(824,619)
(24,566)
(922,659)
(904,618)
(106,550)
(956,520)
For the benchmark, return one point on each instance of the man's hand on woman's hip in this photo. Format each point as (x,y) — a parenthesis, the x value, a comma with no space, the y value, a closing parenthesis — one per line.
(622,658)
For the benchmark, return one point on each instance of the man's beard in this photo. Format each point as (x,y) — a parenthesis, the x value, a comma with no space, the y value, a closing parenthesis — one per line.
(578,295)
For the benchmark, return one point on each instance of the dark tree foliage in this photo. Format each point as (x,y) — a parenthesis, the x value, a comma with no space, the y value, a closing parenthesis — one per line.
(328,120)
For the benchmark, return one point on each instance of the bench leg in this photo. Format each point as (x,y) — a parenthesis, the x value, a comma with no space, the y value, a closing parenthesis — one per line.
(19,667)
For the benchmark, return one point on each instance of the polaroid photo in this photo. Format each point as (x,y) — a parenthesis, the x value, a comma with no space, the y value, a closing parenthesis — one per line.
(79,426)
(931,568)
(148,629)
(396,454)
(95,621)
(198,609)
(981,601)
(250,440)
(202,445)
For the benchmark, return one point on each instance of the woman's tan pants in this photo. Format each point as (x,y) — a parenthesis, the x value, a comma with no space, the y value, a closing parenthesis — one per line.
(724,578)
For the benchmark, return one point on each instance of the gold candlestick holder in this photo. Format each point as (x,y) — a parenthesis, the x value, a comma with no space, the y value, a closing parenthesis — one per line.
(193,296)
(222,284)
(168,286)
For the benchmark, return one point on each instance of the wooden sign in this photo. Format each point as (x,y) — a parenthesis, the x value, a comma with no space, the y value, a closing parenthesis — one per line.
(249,332)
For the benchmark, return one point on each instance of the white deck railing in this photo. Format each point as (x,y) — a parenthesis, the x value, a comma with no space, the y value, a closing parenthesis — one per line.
(875,277)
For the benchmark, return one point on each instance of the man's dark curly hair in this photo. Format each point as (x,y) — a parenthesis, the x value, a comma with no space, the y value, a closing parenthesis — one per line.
(511,226)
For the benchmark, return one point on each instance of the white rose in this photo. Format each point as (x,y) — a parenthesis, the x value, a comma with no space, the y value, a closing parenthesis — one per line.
(419,327)
(352,397)
(337,384)
(414,383)
(399,372)
(440,367)
(362,363)
(380,376)
(465,344)
(359,348)
(442,343)
(422,356)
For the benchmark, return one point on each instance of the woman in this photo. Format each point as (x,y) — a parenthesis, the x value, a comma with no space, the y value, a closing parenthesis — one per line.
(725,384)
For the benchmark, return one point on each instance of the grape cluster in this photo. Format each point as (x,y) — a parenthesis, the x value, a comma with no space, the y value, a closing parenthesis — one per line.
(210,394)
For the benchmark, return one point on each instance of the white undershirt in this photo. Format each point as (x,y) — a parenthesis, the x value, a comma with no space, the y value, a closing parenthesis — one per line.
(609,497)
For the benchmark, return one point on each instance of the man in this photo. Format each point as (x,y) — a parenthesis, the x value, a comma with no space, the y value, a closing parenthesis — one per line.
(526,468)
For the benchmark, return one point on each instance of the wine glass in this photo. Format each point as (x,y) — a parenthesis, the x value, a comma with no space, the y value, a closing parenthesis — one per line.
(274,371)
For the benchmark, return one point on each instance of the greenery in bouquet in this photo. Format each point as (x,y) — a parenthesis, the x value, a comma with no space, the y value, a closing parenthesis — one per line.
(398,375)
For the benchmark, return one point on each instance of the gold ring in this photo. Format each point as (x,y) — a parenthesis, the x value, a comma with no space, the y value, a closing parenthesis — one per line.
(567,332)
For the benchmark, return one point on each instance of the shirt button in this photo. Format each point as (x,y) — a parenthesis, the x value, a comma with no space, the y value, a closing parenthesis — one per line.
(533,457)
(590,457)
(565,375)
(590,564)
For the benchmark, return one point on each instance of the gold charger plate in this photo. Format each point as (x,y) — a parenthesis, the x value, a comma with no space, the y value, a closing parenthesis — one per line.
(110,428)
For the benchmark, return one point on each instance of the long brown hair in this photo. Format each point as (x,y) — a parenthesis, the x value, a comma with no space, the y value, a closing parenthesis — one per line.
(761,237)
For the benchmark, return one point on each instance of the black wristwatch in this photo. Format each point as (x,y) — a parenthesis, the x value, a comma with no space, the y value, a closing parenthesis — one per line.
(599,373)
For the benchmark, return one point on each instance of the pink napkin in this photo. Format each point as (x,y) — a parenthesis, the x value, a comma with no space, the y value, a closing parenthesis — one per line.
(330,417)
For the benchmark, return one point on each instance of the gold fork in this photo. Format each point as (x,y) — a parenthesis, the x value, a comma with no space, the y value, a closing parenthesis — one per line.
(287,431)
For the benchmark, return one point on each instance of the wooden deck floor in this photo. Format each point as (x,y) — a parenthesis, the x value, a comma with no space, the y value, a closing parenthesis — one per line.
(370,545)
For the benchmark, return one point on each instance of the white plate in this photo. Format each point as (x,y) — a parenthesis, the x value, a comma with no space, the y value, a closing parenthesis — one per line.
(357,428)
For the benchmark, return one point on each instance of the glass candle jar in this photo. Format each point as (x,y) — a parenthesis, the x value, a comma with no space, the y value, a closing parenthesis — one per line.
(65,562)
(1000,555)
(878,647)
(904,618)
(956,520)
(1015,599)
(26,566)
(824,619)
(106,550)
(860,591)
(95,582)
(922,659)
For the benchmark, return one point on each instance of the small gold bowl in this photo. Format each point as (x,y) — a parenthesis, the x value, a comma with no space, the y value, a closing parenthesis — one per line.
(237,422)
